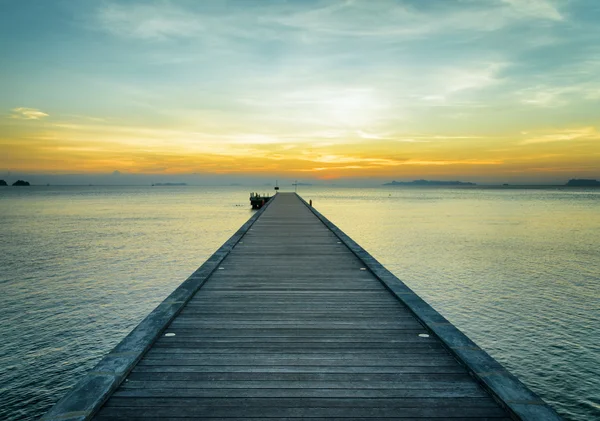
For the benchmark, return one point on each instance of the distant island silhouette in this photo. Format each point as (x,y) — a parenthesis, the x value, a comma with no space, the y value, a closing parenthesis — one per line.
(583,183)
(429,183)
(3,183)
(170,184)
(21,183)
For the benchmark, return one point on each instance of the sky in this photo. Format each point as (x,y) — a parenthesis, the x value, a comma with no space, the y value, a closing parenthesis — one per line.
(489,91)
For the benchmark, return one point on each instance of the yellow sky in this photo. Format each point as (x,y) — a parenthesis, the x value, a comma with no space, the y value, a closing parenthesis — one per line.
(46,146)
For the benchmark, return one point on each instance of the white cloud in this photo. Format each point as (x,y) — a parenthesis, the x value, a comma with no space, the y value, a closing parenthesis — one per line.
(147,21)
(548,96)
(455,162)
(22,113)
(540,9)
(367,135)
(568,135)
(461,79)
(344,159)
(388,18)
(558,96)
(573,81)
(382,18)
(253,139)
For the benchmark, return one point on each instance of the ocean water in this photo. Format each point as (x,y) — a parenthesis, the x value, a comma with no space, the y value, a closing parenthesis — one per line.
(517,270)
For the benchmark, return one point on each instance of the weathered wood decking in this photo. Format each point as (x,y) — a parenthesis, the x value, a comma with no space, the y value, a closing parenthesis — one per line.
(294,322)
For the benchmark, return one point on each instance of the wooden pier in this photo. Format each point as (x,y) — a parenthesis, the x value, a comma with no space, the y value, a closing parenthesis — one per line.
(292,319)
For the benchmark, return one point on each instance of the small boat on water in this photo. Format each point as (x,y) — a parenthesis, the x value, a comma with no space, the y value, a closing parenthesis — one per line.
(257,200)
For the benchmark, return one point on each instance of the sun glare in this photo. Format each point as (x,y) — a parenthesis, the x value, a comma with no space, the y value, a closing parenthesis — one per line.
(353,109)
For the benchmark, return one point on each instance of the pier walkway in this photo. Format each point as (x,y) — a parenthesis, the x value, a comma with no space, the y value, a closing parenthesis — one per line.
(291,319)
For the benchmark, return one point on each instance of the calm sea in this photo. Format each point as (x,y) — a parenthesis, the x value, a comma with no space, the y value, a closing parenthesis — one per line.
(517,270)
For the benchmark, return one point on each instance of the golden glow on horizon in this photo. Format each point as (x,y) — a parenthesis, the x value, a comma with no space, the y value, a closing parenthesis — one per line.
(95,147)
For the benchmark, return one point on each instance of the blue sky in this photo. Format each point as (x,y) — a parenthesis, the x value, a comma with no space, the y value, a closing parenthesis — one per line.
(489,89)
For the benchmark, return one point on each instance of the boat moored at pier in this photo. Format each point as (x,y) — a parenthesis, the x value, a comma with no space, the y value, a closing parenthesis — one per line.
(258,201)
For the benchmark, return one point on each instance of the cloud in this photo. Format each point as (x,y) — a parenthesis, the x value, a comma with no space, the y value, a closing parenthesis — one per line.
(337,163)
(568,135)
(252,139)
(358,161)
(341,159)
(22,113)
(148,21)
(389,18)
(449,82)
(153,20)
(454,162)
(570,82)
(366,135)
(540,9)
(547,96)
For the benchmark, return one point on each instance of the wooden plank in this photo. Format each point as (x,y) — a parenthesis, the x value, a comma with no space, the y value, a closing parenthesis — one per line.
(397,338)
(166,368)
(290,347)
(217,410)
(294,333)
(126,401)
(266,384)
(268,376)
(461,391)
(192,356)
(129,417)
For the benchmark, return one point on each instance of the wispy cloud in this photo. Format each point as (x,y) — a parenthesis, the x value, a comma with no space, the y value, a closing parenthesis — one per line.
(454,162)
(148,21)
(568,135)
(22,113)
(369,164)
(367,135)
(539,9)
(342,159)
(548,96)
(399,19)
(387,162)
(570,83)
(347,18)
